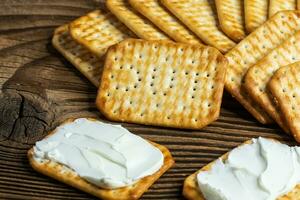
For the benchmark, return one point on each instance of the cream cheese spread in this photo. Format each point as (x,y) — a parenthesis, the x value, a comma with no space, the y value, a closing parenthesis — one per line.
(106,155)
(263,170)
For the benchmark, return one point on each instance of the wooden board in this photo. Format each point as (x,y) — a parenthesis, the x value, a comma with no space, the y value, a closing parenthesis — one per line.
(40,89)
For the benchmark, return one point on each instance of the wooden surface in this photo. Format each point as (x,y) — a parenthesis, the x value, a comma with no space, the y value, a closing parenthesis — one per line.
(40,89)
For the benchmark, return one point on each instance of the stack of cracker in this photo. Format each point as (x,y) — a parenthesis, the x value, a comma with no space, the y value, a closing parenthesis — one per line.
(169,64)
(173,63)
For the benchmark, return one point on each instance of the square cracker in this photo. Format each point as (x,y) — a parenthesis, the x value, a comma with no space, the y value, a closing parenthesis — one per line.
(280,5)
(98,30)
(163,19)
(87,63)
(191,189)
(140,25)
(70,177)
(201,17)
(231,18)
(284,86)
(253,48)
(162,83)
(256,13)
(258,76)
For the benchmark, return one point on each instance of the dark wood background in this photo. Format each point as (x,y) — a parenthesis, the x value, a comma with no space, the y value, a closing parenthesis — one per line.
(40,89)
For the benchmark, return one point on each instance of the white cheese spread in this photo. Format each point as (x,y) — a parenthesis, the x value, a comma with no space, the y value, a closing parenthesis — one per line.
(263,170)
(106,155)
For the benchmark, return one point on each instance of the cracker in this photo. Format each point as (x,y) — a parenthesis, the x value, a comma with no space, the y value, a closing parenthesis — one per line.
(69,177)
(253,48)
(163,19)
(84,61)
(136,22)
(191,190)
(201,17)
(256,13)
(258,76)
(298,4)
(284,86)
(98,30)
(231,18)
(162,83)
(280,5)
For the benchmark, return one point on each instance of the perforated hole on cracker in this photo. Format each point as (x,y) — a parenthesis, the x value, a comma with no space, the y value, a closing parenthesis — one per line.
(162,83)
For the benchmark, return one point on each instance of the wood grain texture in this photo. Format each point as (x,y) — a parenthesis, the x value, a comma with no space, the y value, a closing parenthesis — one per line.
(40,89)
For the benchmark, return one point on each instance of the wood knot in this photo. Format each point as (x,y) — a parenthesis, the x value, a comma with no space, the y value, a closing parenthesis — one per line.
(25,117)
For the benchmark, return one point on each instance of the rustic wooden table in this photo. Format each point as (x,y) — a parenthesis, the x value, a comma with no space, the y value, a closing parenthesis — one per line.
(40,89)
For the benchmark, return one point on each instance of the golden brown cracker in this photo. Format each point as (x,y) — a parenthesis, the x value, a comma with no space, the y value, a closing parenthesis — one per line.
(231,18)
(191,189)
(280,5)
(136,22)
(253,48)
(284,86)
(87,63)
(166,21)
(69,177)
(162,83)
(256,13)
(259,75)
(98,30)
(201,17)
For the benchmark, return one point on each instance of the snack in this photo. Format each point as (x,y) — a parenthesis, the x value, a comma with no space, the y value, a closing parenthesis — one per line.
(256,13)
(85,168)
(88,64)
(284,86)
(163,19)
(231,18)
(248,166)
(162,83)
(136,22)
(201,17)
(253,48)
(298,4)
(258,76)
(280,5)
(98,30)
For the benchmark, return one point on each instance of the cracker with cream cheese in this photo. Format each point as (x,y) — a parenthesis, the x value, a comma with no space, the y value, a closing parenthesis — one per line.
(191,189)
(162,83)
(87,63)
(69,177)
